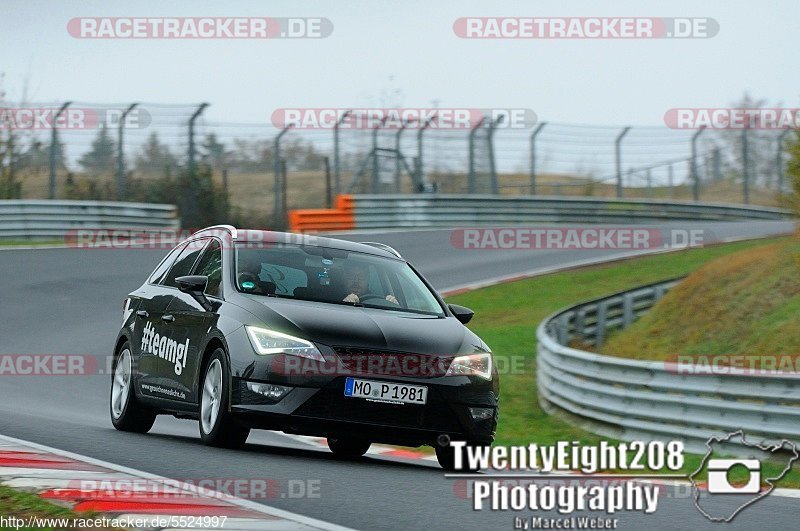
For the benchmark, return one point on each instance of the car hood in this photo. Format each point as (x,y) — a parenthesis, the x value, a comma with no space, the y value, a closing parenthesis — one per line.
(358,327)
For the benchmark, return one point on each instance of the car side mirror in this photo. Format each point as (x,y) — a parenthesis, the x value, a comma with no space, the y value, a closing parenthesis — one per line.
(461,313)
(195,285)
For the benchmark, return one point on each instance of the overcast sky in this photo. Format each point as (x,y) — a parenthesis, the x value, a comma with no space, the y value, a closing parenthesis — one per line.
(408,51)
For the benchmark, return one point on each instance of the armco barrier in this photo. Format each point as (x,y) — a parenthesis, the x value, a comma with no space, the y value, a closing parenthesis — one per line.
(647,400)
(340,218)
(423,210)
(45,219)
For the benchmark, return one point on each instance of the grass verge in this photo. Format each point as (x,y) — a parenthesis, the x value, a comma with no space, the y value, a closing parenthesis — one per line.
(506,317)
(27,506)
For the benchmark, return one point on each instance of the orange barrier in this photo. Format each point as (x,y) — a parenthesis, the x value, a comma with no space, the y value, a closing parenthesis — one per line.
(342,217)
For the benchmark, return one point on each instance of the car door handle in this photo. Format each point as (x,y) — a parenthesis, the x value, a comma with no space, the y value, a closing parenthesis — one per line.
(168,318)
(142,313)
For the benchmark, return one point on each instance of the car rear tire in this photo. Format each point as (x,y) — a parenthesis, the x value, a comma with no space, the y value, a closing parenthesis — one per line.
(217,426)
(446,455)
(348,447)
(127,413)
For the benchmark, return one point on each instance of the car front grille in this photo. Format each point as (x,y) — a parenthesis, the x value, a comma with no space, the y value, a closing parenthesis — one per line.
(391,363)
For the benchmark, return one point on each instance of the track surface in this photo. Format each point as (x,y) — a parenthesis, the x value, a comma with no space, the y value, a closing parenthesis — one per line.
(69,301)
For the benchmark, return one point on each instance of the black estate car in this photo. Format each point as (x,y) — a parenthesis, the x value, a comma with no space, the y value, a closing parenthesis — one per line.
(245,329)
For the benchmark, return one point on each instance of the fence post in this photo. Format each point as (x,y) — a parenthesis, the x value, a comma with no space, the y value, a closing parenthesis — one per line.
(419,186)
(649,176)
(492,166)
(284,210)
(618,158)
(54,149)
(745,167)
(336,164)
(375,162)
(533,155)
(278,187)
(695,178)
(779,159)
(328,191)
(397,163)
(194,117)
(471,176)
(717,158)
(122,182)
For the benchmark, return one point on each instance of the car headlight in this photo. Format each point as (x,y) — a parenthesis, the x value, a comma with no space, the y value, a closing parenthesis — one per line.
(271,342)
(472,365)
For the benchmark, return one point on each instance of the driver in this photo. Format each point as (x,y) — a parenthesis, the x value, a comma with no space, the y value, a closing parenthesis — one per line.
(356,283)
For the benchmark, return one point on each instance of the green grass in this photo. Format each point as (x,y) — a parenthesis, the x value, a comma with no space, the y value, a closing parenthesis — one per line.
(24,505)
(506,317)
(745,305)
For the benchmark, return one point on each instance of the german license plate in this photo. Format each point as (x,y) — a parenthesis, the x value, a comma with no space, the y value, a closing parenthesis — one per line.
(386,391)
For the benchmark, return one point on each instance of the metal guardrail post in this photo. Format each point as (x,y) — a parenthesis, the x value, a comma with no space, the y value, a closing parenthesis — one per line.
(534,134)
(618,158)
(122,181)
(55,151)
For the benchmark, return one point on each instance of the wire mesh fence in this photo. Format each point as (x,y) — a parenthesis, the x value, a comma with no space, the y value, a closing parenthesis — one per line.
(154,152)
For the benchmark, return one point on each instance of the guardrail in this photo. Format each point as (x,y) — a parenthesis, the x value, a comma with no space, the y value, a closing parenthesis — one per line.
(630,399)
(435,210)
(53,219)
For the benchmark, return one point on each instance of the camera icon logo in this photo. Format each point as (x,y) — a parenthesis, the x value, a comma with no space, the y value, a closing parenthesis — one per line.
(725,486)
(718,482)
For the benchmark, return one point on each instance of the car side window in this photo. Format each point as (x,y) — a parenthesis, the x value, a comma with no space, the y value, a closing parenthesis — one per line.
(164,266)
(184,262)
(210,265)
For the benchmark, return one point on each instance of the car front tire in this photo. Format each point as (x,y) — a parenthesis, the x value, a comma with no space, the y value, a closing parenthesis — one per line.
(217,426)
(348,448)
(127,413)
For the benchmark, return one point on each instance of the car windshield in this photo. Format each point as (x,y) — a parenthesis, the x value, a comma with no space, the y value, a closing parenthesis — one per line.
(333,276)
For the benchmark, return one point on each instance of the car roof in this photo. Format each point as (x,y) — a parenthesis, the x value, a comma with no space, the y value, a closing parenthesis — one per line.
(255,236)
